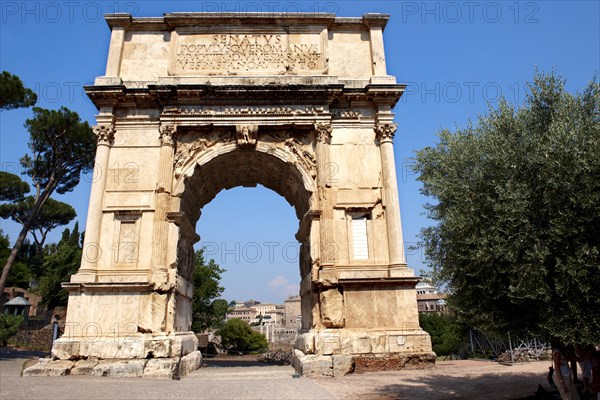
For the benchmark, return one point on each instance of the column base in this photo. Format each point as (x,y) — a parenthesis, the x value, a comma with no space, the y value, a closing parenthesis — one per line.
(337,352)
(336,365)
(140,345)
(156,355)
(170,368)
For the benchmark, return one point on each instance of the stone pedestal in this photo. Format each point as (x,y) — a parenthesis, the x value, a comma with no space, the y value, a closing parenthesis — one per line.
(337,352)
(170,368)
(136,355)
(135,346)
(337,365)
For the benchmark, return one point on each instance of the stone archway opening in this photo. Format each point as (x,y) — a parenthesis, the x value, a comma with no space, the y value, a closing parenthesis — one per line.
(267,165)
(250,233)
(248,168)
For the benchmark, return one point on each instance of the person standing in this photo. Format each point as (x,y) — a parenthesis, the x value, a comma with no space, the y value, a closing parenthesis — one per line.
(563,376)
(584,358)
(595,383)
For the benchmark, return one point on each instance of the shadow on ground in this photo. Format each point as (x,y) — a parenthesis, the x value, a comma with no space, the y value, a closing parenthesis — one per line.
(233,361)
(485,386)
(9,353)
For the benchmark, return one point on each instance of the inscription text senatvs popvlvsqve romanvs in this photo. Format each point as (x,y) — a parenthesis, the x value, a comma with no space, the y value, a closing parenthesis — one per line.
(247,52)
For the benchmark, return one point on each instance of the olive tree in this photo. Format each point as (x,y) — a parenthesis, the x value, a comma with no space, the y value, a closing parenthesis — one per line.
(517,212)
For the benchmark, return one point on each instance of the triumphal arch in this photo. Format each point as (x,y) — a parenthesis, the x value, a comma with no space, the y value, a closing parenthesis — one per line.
(194,103)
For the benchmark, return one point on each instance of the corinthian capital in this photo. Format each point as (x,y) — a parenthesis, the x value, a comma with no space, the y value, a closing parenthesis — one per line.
(104,134)
(323,133)
(167,134)
(385,132)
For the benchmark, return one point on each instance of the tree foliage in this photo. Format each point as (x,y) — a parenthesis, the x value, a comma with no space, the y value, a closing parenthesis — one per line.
(62,261)
(52,215)
(13,94)
(447,334)
(62,147)
(237,335)
(218,310)
(517,239)
(28,255)
(9,326)
(12,188)
(20,274)
(207,312)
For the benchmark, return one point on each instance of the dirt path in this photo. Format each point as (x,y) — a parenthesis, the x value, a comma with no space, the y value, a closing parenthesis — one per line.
(464,379)
(219,382)
(244,378)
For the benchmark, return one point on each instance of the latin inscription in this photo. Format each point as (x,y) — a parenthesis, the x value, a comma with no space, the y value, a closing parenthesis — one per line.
(238,53)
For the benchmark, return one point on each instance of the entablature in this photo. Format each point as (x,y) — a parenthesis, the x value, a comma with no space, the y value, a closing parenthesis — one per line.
(169,21)
(274,96)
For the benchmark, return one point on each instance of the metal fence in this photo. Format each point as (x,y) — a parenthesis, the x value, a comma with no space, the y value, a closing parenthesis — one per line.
(502,348)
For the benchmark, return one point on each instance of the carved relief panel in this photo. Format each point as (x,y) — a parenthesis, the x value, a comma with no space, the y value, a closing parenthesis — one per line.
(191,144)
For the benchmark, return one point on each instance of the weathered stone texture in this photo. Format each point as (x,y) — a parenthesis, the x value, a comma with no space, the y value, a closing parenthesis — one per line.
(161,367)
(47,367)
(192,104)
(120,368)
(393,362)
(84,367)
(343,364)
(190,362)
(130,368)
(316,366)
(332,308)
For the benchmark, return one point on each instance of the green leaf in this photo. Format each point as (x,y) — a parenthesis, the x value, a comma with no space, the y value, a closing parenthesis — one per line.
(516,202)
(13,94)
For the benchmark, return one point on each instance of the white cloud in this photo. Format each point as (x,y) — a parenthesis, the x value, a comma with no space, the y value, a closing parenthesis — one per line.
(278,282)
(282,287)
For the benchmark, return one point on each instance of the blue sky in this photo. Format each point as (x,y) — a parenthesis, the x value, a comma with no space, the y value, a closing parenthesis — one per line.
(456,57)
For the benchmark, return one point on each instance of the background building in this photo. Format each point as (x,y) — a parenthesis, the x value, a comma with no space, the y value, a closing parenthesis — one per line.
(429,299)
(292,311)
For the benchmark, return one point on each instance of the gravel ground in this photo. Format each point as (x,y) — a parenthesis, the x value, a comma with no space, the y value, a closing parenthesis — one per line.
(466,379)
(252,382)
